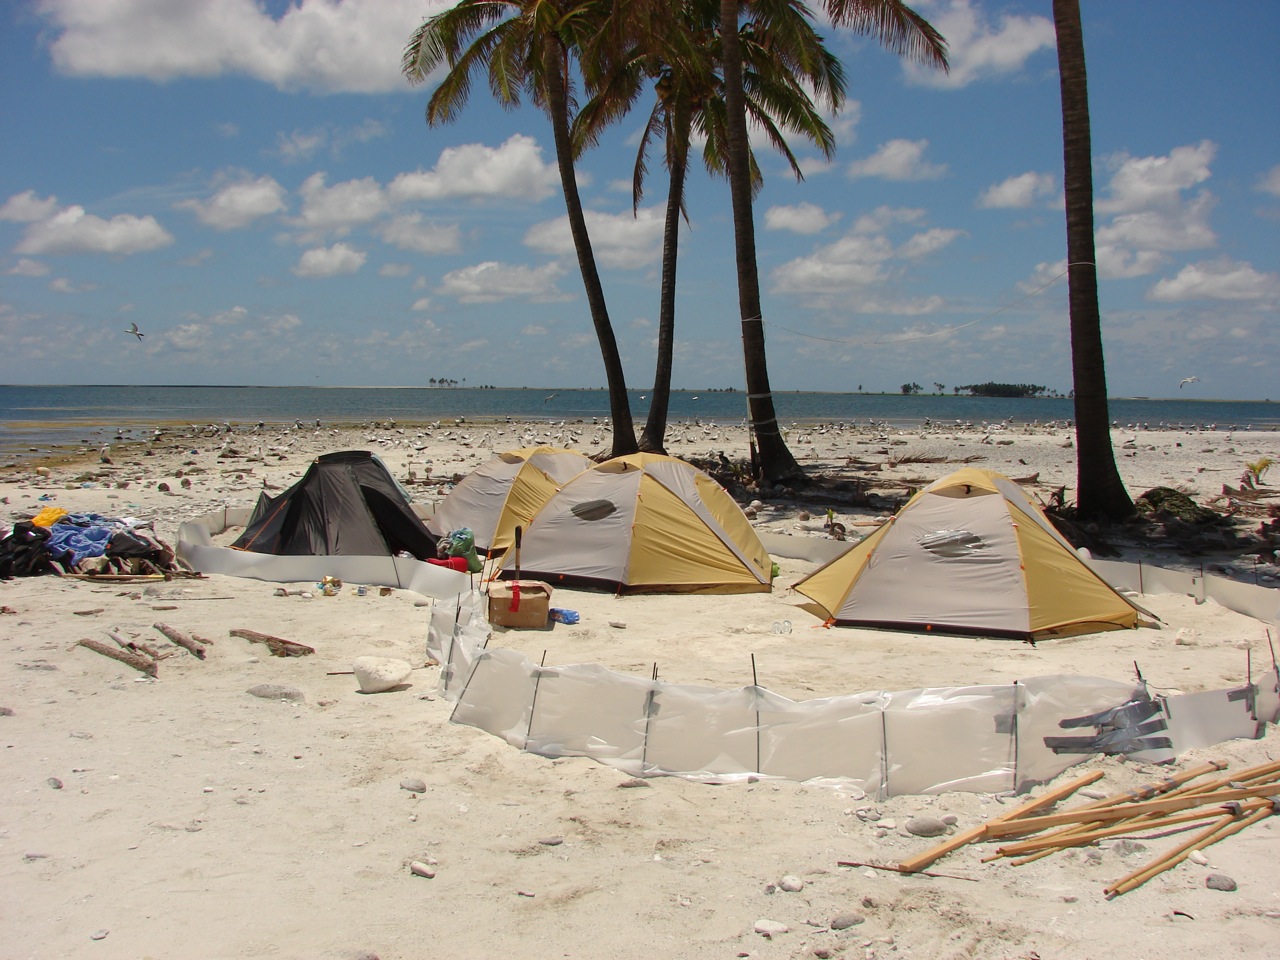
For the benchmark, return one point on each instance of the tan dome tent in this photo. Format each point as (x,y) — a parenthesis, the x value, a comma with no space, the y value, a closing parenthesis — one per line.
(644,522)
(505,493)
(968,554)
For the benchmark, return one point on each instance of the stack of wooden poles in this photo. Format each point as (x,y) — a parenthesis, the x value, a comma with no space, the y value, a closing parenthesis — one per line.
(1219,807)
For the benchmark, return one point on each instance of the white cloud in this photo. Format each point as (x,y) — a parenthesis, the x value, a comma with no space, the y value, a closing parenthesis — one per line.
(1269,182)
(341,206)
(28,268)
(491,282)
(395,270)
(1221,279)
(26,207)
(421,305)
(302,145)
(803,218)
(620,241)
(329,261)
(898,160)
(930,241)
(978,49)
(883,217)
(851,262)
(1184,227)
(238,204)
(514,169)
(74,231)
(1019,192)
(329,46)
(1143,183)
(408,232)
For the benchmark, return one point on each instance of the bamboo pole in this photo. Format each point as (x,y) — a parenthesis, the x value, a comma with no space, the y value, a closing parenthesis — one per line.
(1080,838)
(922,860)
(1225,827)
(1163,805)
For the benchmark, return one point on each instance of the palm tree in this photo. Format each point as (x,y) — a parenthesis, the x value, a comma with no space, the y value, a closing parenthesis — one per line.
(677,46)
(904,32)
(1100,493)
(527,47)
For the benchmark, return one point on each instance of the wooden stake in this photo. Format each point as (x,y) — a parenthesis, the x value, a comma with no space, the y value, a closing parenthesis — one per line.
(277,646)
(141,663)
(922,860)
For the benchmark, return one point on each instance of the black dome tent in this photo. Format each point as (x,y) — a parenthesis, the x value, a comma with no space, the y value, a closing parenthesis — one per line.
(346,504)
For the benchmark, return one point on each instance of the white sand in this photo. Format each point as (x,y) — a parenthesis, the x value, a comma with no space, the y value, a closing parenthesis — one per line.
(197,821)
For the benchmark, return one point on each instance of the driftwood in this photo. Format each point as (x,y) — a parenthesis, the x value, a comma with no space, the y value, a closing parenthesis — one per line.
(138,646)
(181,639)
(138,661)
(277,646)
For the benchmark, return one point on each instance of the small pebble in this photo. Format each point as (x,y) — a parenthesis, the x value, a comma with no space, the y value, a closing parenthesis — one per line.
(413,785)
(950,819)
(1196,857)
(99,935)
(55,783)
(926,827)
(551,841)
(1220,881)
(791,884)
(633,782)
(420,869)
(6,711)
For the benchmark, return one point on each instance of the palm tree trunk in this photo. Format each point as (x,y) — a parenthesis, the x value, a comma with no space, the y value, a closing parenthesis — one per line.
(1100,493)
(624,433)
(653,437)
(776,463)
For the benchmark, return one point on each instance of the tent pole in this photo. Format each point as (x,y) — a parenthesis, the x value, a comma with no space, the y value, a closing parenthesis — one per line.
(533,704)
(648,719)
(755,683)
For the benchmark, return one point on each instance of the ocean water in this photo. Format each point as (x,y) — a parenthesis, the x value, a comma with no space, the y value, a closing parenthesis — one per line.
(41,417)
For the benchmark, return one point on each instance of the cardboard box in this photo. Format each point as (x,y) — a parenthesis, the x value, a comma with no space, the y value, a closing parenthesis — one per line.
(533,609)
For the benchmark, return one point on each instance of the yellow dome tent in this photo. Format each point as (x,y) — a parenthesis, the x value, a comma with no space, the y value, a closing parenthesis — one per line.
(968,554)
(505,492)
(644,522)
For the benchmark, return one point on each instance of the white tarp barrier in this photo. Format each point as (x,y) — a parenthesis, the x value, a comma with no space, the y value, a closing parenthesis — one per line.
(197,549)
(988,738)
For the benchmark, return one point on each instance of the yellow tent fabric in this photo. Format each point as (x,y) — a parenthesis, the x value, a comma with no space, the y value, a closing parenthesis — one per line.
(644,522)
(506,492)
(968,554)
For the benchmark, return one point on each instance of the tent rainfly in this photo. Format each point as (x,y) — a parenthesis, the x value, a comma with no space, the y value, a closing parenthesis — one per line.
(504,493)
(346,504)
(643,523)
(969,554)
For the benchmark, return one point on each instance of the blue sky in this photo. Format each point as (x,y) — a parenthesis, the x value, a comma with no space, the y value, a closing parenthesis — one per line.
(254,185)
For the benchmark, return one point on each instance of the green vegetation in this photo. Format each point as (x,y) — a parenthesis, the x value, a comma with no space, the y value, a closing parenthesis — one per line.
(990,389)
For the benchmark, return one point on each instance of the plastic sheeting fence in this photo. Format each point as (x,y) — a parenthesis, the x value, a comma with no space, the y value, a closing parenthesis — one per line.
(990,738)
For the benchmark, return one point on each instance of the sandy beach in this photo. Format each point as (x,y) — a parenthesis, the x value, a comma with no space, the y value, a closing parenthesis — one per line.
(183,817)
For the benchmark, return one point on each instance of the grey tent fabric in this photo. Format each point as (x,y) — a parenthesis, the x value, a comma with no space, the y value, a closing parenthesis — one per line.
(346,504)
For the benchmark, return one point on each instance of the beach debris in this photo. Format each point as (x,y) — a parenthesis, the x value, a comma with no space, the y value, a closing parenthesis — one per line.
(277,691)
(413,785)
(1220,807)
(139,661)
(278,646)
(190,644)
(379,674)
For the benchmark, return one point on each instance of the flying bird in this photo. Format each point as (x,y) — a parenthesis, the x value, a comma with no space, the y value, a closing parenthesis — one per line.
(133,328)
(1186,380)
(550,397)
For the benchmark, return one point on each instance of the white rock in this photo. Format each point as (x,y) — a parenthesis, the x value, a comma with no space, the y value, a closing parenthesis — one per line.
(376,674)
(770,928)
(791,884)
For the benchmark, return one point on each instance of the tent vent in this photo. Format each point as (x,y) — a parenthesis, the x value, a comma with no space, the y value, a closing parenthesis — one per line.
(594,509)
(952,543)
